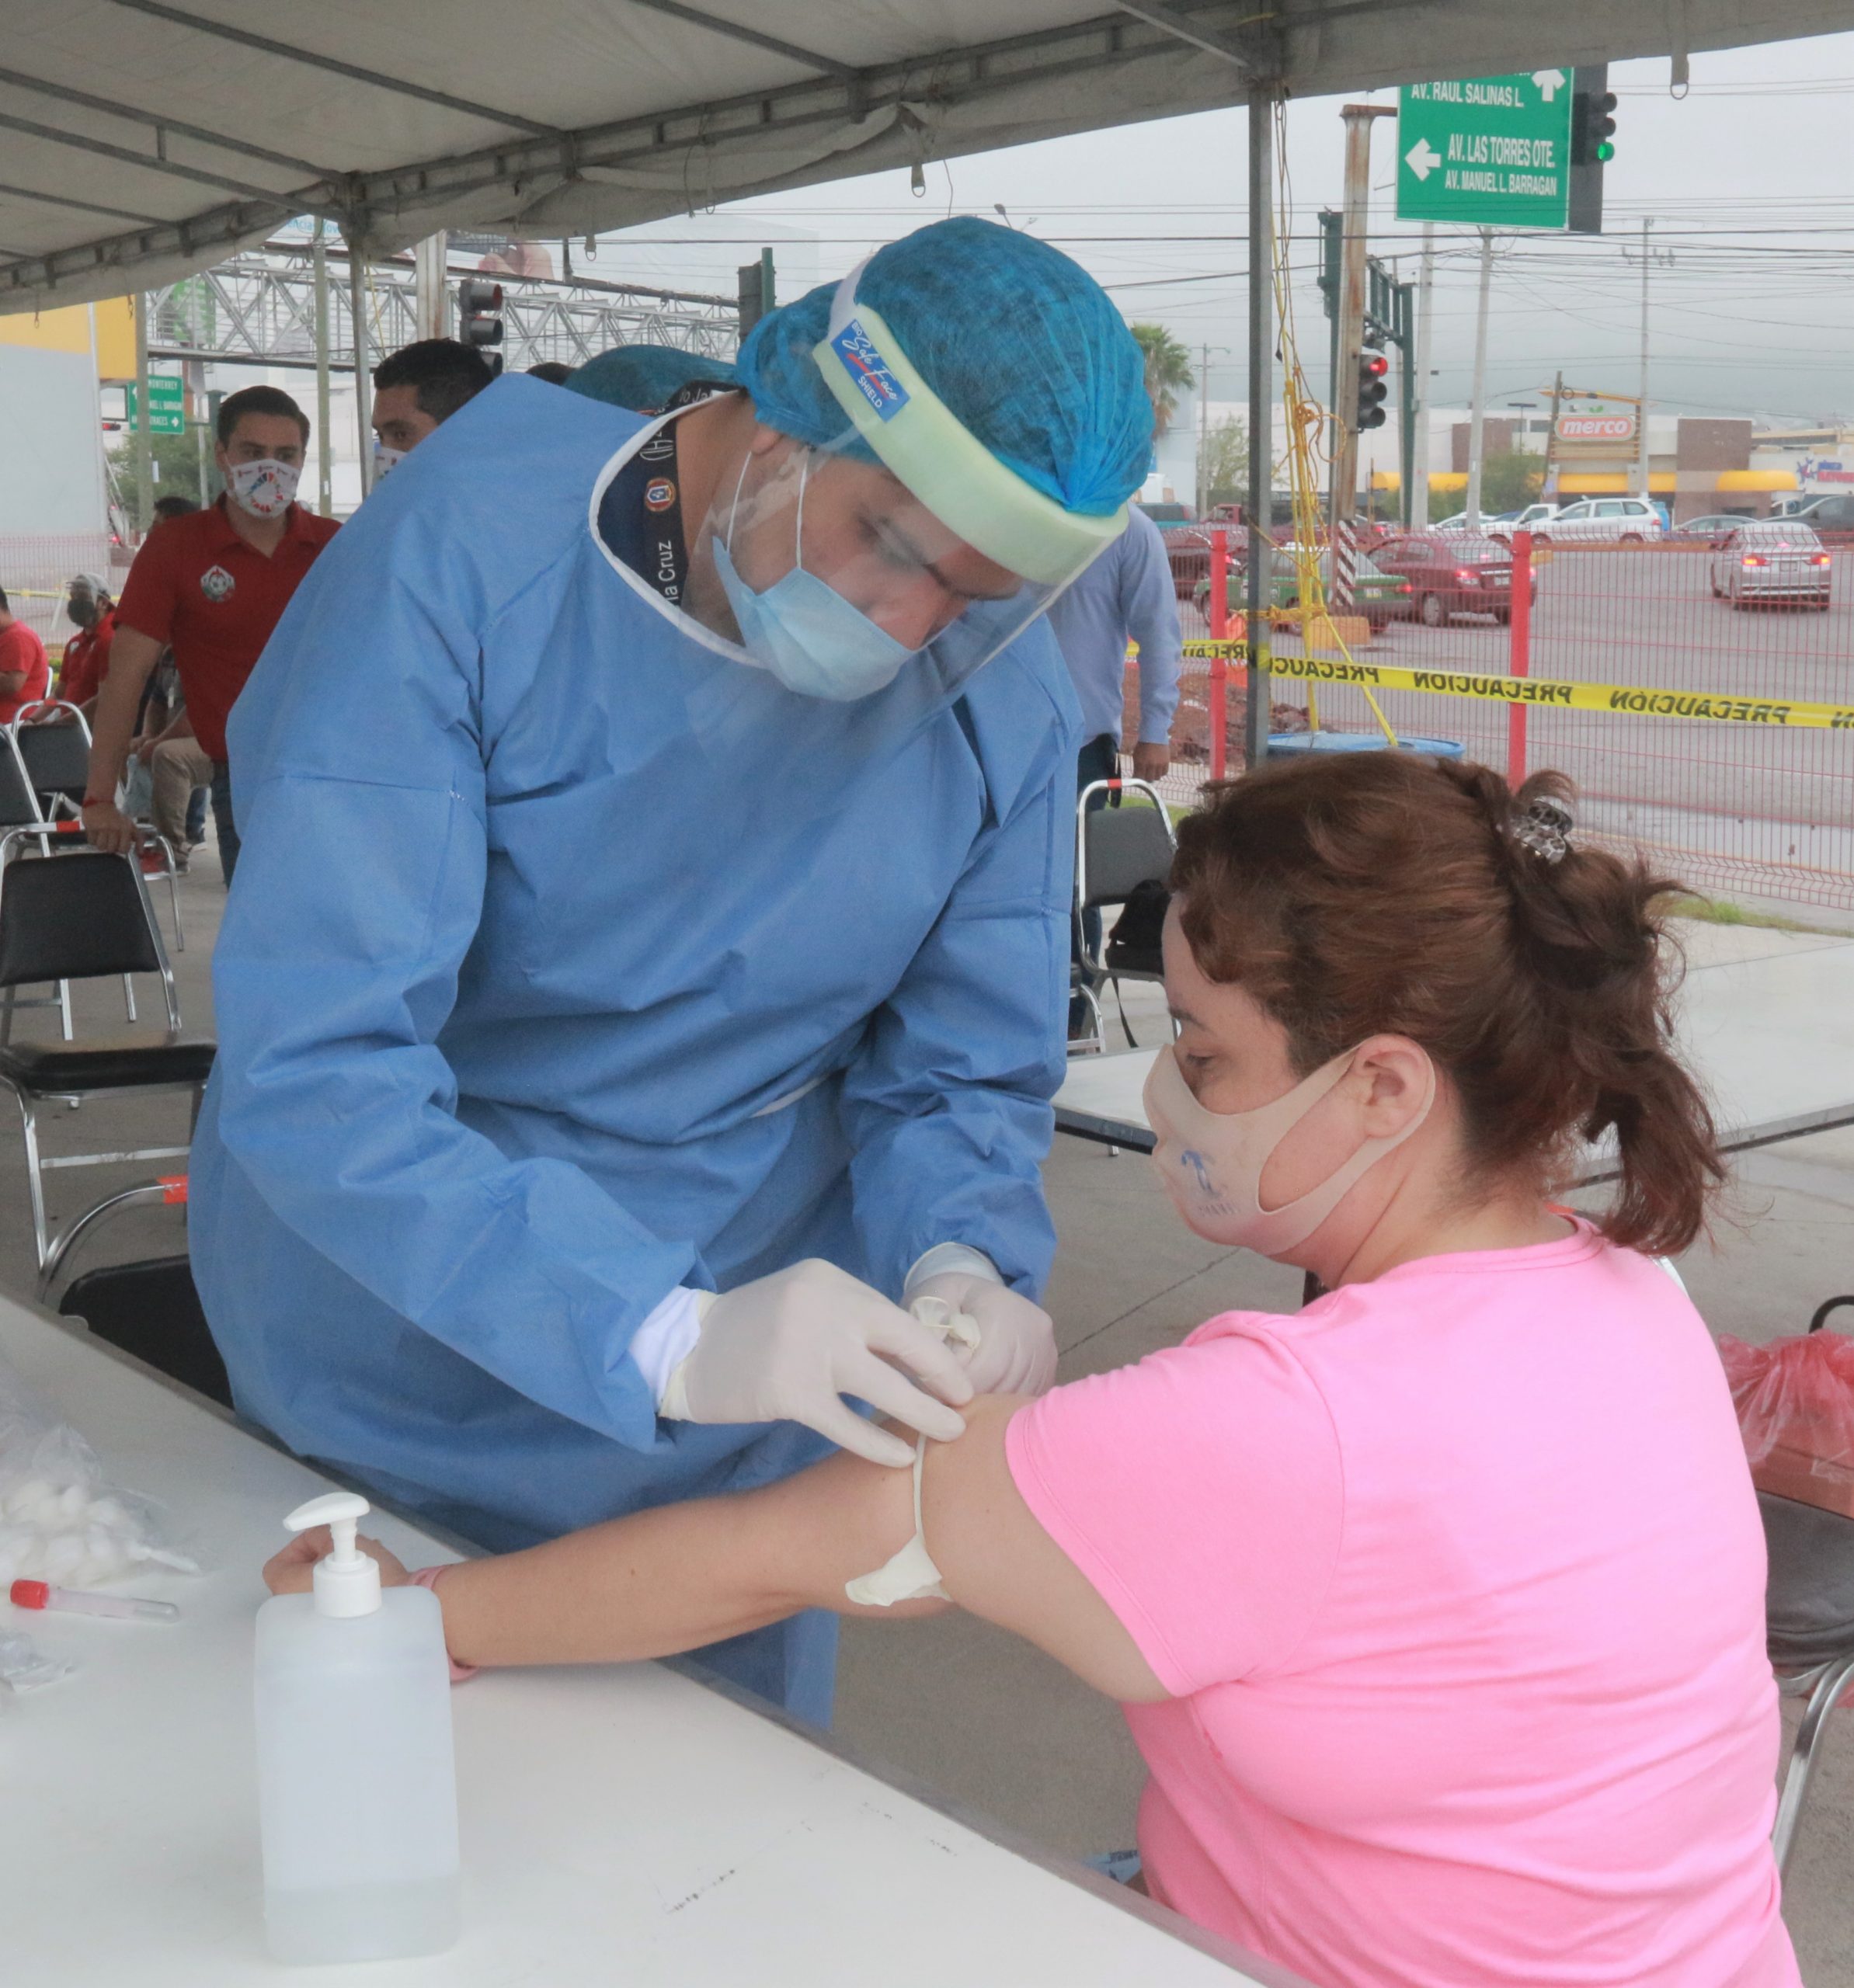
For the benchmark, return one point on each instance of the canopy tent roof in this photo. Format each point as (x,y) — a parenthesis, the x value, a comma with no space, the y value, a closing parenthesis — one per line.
(140,140)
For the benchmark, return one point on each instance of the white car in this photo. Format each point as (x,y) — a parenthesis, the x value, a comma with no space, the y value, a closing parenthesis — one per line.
(1535,518)
(1776,561)
(1601,521)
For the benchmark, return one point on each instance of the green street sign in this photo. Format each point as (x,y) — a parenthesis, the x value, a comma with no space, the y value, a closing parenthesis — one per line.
(1494,151)
(167,404)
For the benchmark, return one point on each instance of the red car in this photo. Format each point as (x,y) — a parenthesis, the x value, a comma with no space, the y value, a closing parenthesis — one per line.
(1450,573)
(1188,546)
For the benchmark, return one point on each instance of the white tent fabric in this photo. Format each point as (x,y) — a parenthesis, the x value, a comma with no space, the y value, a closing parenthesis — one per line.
(140,140)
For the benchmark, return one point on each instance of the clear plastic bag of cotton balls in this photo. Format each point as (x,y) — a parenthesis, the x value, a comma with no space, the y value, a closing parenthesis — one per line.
(60,1521)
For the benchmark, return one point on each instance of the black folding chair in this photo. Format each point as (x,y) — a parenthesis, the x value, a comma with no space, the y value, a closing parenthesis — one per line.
(85,915)
(55,758)
(1116,849)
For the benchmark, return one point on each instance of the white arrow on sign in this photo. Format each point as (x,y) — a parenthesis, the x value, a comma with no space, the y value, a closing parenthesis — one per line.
(1549,81)
(1422,159)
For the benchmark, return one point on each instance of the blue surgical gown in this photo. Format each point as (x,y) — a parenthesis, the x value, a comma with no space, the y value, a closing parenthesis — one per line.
(572,959)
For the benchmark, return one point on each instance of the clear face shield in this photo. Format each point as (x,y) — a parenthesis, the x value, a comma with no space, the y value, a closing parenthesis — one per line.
(840,572)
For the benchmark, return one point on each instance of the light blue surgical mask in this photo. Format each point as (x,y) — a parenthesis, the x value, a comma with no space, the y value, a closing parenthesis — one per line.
(803,631)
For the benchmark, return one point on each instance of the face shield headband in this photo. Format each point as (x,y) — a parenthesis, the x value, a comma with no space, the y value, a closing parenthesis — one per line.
(918,439)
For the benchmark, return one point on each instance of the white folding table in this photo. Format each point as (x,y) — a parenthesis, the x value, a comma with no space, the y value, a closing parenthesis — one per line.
(1772,1041)
(625,1825)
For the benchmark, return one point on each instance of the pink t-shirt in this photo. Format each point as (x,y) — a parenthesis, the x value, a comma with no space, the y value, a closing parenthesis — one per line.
(1457,1581)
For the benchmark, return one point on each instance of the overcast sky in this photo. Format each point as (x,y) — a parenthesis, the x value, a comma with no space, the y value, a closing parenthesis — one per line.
(1749,183)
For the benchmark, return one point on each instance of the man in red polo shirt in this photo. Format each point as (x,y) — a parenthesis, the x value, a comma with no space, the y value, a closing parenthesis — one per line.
(87,653)
(24,671)
(211,585)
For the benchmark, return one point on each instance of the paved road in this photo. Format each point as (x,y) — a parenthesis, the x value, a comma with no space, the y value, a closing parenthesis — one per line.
(1649,618)
(1742,811)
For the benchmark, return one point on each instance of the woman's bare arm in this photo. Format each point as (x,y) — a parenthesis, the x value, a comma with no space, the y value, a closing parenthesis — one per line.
(685,1575)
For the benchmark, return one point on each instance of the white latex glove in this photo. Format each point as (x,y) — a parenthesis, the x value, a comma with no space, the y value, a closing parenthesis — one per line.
(788,1347)
(1016,1353)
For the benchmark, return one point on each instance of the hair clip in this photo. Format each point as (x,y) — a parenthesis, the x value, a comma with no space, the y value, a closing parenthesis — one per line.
(1544,829)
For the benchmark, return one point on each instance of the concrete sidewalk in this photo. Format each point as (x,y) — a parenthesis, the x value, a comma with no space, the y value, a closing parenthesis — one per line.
(982,1718)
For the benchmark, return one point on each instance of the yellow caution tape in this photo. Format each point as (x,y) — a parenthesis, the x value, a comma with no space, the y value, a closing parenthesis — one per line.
(1625,699)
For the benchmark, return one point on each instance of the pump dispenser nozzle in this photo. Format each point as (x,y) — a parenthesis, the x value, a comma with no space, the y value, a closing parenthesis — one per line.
(347,1581)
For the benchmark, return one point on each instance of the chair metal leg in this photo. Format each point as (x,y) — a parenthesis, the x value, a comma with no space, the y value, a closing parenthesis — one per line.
(35,1185)
(60,1252)
(128,994)
(6,1016)
(1822,1700)
(173,893)
(64,1010)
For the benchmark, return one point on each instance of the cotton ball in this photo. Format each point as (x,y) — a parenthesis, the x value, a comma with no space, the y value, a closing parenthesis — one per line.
(64,1555)
(29,1497)
(109,1511)
(72,1501)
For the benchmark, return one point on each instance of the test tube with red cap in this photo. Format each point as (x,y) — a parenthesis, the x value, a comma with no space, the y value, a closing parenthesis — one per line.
(82,1601)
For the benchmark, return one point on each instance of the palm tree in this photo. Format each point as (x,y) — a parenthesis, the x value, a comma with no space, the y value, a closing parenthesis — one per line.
(1168,372)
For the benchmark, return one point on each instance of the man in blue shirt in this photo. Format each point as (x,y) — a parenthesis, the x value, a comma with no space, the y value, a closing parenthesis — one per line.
(1127,593)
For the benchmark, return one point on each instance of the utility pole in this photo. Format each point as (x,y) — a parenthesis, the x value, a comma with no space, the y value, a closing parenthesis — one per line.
(144,461)
(1551,490)
(1425,315)
(325,439)
(1478,410)
(1641,413)
(1350,326)
(1262,394)
(1203,429)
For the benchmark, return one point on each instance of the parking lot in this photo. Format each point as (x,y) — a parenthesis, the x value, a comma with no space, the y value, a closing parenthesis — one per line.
(1762,797)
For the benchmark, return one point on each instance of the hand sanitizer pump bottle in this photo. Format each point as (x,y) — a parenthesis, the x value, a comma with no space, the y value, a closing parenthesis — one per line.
(357,1790)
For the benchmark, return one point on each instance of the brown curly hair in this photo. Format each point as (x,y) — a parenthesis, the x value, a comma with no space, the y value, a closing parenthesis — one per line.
(1388,893)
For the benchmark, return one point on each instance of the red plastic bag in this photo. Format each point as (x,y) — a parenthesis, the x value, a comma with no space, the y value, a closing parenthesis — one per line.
(1795,1400)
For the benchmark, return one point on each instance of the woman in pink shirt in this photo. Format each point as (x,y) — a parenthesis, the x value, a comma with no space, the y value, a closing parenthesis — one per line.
(1437,1608)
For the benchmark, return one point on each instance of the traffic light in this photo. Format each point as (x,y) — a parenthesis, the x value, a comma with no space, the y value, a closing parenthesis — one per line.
(479,316)
(1592,146)
(1372,366)
(1592,127)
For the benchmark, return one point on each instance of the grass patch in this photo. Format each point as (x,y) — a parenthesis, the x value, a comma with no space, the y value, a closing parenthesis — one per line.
(1724,910)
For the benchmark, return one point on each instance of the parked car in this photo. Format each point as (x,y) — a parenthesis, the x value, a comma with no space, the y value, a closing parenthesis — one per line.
(1772,562)
(1713,529)
(1832,519)
(1451,573)
(1535,518)
(1376,595)
(1187,547)
(1601,521)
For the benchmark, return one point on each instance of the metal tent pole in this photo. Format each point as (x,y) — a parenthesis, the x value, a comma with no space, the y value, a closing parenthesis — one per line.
(364,402)
(1261,396)
(325,438)
(144,461)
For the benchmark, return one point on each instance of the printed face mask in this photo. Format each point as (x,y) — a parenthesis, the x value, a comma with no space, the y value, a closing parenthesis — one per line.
(386,460)
(803,631)
(1212,1161)
(265,489)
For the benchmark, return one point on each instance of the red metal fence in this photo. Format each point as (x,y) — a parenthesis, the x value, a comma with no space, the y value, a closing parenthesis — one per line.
(1746,802)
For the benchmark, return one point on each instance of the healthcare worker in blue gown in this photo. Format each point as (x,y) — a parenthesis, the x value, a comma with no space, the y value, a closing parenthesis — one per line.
(657,843)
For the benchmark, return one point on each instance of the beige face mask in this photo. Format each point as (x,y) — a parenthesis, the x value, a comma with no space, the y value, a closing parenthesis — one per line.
(1212,1161)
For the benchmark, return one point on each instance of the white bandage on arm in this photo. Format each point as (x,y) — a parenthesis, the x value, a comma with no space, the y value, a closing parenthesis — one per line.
(908,1575)
(667,1338)
(944,1257)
